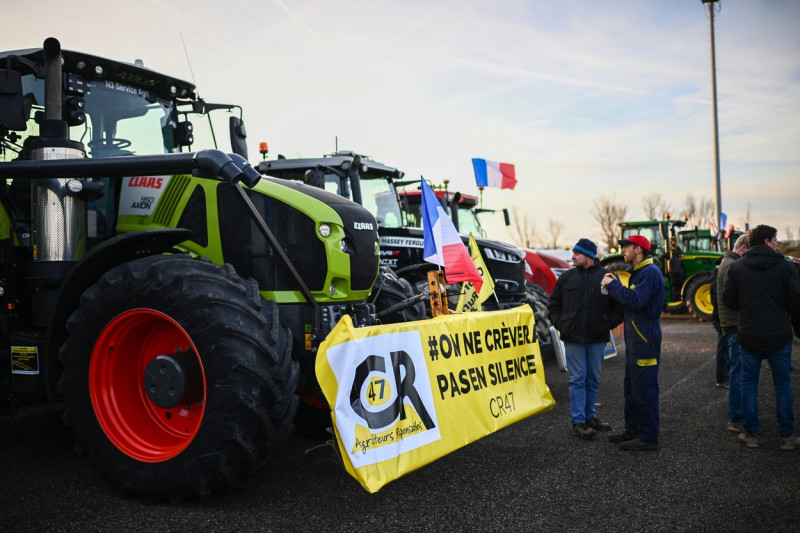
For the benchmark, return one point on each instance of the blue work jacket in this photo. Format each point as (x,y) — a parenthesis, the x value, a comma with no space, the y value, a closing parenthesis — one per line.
(643,299)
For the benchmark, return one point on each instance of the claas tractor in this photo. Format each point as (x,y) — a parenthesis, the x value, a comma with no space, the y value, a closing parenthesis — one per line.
(172,298)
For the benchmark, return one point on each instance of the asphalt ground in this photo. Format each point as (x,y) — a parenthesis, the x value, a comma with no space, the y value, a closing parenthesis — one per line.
(532,476)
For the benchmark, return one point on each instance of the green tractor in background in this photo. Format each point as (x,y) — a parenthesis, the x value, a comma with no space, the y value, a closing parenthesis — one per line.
(687,258)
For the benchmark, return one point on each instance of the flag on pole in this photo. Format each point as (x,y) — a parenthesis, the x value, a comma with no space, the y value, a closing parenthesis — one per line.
(441,243)
(471,299)
(712,226)
(492,174)
(724,225)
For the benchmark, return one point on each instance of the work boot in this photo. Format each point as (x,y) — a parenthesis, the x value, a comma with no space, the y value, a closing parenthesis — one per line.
(636,444)
(598,425)
(583,431)
(790,442)
(617,438)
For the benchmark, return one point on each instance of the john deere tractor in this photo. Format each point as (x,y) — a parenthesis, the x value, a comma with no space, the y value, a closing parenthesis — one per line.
(687,270)
(173,300)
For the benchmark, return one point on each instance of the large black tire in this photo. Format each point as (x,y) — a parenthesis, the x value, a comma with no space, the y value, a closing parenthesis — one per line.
(675,308)
(543,324)
(540,293)
(243,382)
(698,297)
(390,290)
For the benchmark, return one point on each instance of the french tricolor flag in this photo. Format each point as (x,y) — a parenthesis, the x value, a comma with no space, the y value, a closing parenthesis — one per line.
(492,174)
(442,244)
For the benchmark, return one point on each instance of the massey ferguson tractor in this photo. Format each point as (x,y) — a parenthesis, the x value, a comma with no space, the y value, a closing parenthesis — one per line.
(541,270)
(172,299)
(377,187)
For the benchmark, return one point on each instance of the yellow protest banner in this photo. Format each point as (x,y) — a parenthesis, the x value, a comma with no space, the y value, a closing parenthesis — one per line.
(470,299)
(404,395)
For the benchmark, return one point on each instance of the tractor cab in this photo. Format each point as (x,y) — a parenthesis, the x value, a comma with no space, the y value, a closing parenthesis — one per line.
(113,108)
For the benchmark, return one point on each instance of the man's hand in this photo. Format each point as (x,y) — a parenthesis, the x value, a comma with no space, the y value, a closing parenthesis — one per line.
(608,278)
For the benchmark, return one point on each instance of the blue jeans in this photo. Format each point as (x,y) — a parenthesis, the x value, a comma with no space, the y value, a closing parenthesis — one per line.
(584,362)
(781,361)
(735,390)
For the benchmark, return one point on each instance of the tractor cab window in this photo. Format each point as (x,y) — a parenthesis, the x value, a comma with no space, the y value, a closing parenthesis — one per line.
(117,119)
(113,119)
(468,222)
(380,199)
(652,233)
(699,243)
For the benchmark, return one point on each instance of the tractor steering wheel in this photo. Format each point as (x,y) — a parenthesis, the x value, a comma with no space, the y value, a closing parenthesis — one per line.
(110,142)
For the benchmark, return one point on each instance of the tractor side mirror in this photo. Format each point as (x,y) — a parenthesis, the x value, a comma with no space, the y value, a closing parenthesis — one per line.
(315,178)
(12,107)
(238,137)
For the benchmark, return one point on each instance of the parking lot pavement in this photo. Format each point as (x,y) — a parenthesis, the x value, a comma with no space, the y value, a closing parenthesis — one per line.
(532,476)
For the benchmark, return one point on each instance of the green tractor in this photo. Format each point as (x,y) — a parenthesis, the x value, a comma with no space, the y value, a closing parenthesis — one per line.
(687,258)
(172,300)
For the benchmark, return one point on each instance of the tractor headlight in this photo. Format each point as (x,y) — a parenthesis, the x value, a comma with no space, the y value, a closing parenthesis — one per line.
(325,230)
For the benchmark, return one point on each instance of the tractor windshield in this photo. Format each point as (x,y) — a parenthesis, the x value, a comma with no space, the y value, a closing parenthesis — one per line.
(380,198)
(467,218)
(119,120)
(696,241)
(468,222)
(653,234)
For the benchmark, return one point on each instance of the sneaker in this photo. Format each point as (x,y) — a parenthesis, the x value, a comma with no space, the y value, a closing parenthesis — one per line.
(790,442)
(598,425)
(751,441)
(723,384)
(733,427)
(617,438)
(583,431)
(636,444)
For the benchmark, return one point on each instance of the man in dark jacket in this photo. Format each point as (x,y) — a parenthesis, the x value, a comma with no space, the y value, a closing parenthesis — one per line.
(584,316)
(765,290)
(728,324)
(643,299)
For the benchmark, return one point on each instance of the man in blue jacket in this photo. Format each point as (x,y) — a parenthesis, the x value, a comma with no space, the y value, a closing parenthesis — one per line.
(643,299)
(584,316)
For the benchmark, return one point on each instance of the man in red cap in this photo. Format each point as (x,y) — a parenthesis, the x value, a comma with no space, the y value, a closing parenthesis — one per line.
(643,299)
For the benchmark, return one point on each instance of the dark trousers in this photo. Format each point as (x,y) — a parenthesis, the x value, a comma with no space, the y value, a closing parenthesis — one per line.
(641,398)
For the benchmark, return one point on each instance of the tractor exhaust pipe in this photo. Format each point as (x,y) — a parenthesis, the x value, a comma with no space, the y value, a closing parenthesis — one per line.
(52,77)
(59,215)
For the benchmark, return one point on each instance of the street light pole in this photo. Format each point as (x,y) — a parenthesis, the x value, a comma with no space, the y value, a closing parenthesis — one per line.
(718,206)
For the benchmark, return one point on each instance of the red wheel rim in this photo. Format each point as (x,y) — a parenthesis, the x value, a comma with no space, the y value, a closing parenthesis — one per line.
(133,423)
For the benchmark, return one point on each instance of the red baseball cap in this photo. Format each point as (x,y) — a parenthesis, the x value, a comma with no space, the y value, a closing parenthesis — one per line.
(638,240)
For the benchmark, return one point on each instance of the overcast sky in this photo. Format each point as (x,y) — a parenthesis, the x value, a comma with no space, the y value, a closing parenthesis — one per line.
(587,98)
